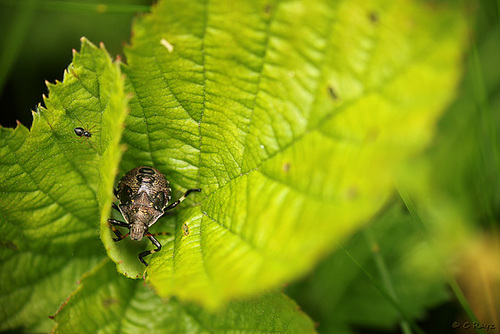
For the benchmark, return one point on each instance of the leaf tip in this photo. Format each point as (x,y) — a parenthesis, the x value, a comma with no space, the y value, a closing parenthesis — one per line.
(86,43)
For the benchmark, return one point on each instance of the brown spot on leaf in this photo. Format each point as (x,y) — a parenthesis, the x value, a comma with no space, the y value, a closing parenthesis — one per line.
(8,244)
(374,18)
(352,192)
(333,94)
(109,302)
(372,135)
(267,8)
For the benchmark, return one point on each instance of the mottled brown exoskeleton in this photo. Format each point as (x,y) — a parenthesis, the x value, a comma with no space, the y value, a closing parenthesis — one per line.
(143,193)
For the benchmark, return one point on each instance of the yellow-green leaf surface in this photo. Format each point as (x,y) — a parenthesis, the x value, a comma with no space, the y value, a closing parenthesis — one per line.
(291,116)
(106,302)
(52,184)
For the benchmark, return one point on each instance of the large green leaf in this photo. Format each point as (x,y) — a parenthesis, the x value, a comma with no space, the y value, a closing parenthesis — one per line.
(51,183)
(292,117)
(106,302)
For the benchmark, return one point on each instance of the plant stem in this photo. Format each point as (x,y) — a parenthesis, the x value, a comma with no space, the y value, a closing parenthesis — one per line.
(449,277)
(383,291)
(16,35)
(67,6)
(386,278)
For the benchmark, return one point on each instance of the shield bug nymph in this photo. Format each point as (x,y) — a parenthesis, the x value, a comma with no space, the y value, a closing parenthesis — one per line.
(144,193)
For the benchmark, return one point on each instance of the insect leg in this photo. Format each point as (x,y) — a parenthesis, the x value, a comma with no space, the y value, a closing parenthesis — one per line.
(158,248)
(118,223)
(113,223)
(116,207)
(157,234)
(173,205)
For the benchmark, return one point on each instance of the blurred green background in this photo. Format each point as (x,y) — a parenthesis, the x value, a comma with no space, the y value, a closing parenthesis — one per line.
(463,162)
(36,42)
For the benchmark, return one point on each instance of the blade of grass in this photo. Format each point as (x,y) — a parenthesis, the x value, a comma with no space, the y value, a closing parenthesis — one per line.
(386,278)
(489,155)
(15,38)
(386,294)
(101,8)
(448,276)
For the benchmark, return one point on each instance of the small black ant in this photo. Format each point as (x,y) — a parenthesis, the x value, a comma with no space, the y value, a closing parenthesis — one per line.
(82,132)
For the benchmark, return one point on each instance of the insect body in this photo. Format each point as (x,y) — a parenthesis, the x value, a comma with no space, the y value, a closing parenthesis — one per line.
(84,133)
(144,193)
(81,132)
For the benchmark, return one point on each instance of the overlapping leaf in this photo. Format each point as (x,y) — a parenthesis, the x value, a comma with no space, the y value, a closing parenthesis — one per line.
(51,183)
(119,305)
